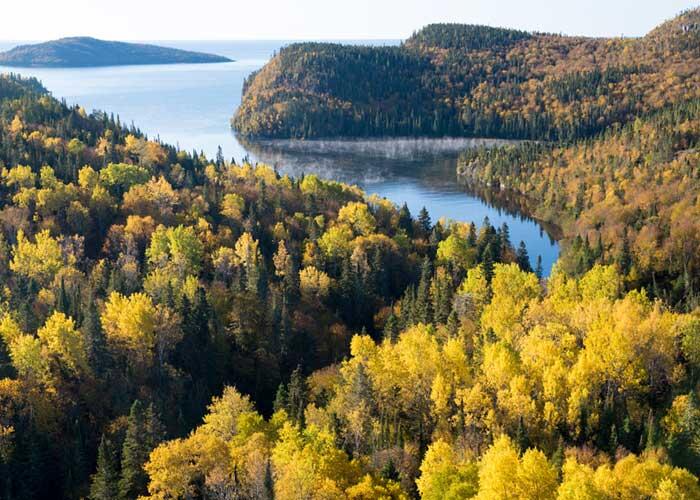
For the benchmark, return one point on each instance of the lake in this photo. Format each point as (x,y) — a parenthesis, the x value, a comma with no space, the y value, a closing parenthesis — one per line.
(190,105)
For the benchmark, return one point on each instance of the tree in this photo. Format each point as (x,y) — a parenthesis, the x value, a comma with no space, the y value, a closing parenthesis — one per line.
(62,340)
(177,249)
(122,176)
(424,221)
(135,451)
(503,474)
(40,260)
(130,324)
(523,259)
(358,217)
(297,396)
(105,481)
(444,475)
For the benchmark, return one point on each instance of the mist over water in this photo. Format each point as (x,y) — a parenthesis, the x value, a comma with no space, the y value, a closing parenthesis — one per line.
(419,172)
(190,105)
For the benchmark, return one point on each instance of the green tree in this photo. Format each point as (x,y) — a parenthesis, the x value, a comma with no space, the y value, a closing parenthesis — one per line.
(135,451)
(105,481)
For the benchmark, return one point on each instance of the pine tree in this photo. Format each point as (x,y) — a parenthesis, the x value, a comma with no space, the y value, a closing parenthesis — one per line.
(424,221)
(522,258)
(269,482)
(105,481)
(134,454)
(453,324)
(614,443)
(94,337)
(62,301)
(154,431)
(624,259)
(391,328)
(505,239)
(281,401)
(408,306)
(471,237)
(539,271)
(297,396)
(405,220)
(423,310)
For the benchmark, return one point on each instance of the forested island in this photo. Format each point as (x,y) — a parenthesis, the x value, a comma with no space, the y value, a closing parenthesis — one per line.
(89,52)
(463,80)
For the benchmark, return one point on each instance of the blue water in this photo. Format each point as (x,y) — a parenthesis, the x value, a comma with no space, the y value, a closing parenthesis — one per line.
(191,105)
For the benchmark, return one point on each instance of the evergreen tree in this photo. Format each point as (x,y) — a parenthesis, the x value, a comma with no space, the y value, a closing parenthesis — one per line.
(62,300)
(423,313)
(94,337)
(405,220)
(154,431)
(391,328)
(105,481)
(389,471)
(297,397)
(522,258)
(281,400)
(424,221)
(539,271)
(504,234)
(453,323)
(269,482)
(134,454)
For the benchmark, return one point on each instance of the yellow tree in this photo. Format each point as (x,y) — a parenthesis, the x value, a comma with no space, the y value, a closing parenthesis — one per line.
(39,260)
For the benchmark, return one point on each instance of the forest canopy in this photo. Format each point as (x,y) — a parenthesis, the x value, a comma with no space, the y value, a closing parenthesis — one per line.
(178,326)
(478,81)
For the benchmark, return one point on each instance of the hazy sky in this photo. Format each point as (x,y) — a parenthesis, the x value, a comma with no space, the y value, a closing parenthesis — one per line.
(327,19)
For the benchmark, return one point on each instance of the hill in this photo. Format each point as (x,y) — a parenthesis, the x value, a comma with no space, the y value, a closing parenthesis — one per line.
(627,197)
(178,327)
(451,79)
(88,52)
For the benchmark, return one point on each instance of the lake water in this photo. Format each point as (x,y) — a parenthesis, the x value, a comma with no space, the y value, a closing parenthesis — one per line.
(190,105)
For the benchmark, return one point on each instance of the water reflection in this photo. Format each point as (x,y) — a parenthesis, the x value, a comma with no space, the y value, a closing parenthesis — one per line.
(419,172)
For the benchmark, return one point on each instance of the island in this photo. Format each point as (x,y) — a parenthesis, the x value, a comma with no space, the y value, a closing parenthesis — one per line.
(475,81)
(83,52)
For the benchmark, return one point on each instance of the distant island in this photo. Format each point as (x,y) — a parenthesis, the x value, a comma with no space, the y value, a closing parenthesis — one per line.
(474,81)
(91,52)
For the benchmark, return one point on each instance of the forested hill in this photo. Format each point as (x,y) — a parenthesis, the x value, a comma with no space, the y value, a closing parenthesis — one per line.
(86,52)
(627,197)
(176,327)
(138,281)
(451,79)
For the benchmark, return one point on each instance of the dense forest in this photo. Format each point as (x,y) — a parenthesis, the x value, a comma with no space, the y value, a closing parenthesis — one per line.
(628,196)
(174,326)
(463,80)
(139,281)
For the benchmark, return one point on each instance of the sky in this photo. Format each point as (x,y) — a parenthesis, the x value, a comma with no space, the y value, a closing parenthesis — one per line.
(321,19)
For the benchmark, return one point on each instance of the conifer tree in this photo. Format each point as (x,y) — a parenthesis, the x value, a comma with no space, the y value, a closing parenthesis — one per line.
(134,454)
(297,396)
(105,481)
(391,328)
(539,271)
(424,221)
(423,306)
(522,258)
(94,337)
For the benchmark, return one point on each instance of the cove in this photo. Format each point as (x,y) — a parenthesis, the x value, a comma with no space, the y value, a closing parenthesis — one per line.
(190,106)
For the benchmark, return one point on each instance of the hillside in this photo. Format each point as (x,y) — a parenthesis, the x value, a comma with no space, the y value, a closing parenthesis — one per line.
(87,52)
(464,80)
(628,197)
(178,327)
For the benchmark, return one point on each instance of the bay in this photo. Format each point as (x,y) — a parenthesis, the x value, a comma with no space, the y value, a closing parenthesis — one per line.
(190,105)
